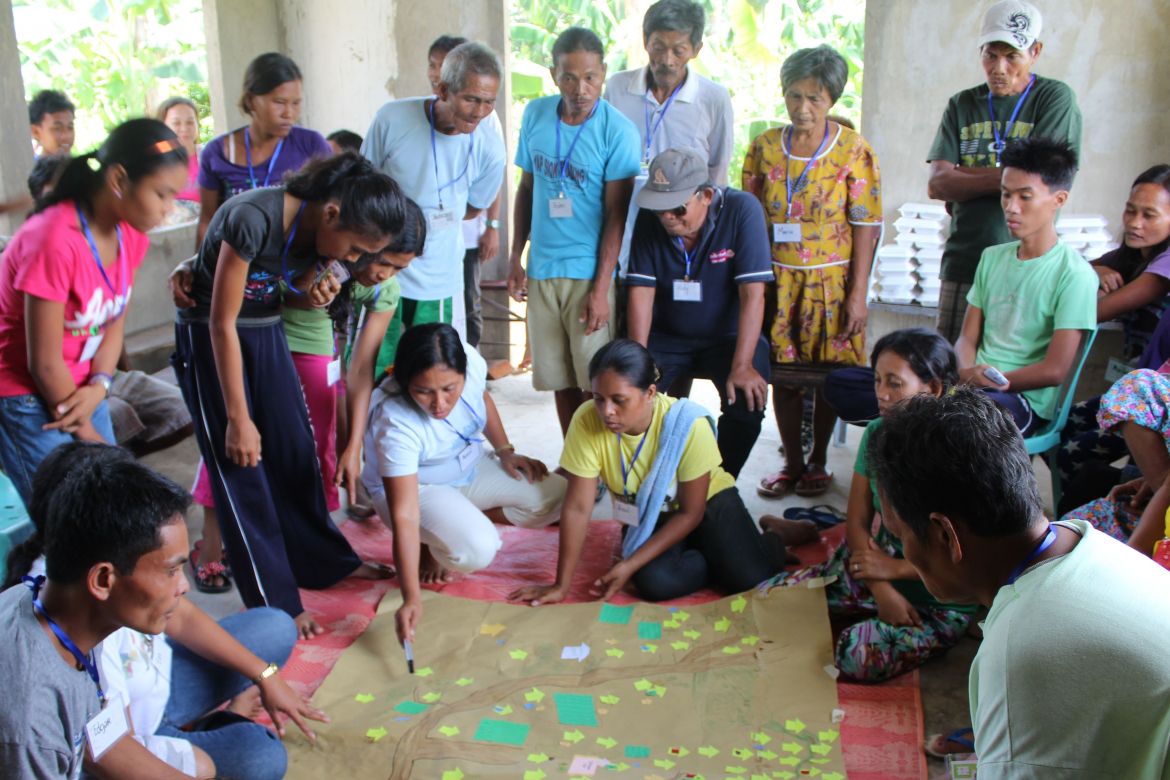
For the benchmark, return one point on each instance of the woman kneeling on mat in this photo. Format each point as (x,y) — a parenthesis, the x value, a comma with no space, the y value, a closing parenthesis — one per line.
(426,471)
(687,525)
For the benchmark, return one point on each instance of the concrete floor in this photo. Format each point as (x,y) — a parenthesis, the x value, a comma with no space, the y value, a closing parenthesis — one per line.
(530,419)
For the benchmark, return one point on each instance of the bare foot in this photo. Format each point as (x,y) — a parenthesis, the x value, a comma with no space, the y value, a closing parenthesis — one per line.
(371,570)
(793,532)
(429,569)
(307,628)
(247,704)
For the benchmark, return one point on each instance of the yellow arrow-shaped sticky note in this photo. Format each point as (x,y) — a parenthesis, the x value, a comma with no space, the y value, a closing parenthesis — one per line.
(614,652)
(491,629)
(448,731)
(691,634)
(453,774)
(708,751)
(375,734)
(426,671)
(538,758)
(722,624)
(535,695)
(738,604)
(795,725)
(518,655)
(432,697)
(463,682)
(364,698)
(732,650)
(606,742)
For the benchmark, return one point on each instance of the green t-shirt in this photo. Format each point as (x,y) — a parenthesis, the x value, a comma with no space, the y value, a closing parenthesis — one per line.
(1024,302)
(914,591)
(310,331)
(964,137)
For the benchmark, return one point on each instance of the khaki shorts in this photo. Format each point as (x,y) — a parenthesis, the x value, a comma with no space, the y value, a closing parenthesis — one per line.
(560,348)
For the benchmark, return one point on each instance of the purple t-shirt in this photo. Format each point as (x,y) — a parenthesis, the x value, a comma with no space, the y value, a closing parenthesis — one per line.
(1128,264)
(218,173)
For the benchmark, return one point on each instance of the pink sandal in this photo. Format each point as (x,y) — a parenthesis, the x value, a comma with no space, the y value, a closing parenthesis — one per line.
(778,484)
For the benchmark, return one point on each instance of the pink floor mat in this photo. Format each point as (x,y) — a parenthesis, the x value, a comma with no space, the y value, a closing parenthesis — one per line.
(883,726)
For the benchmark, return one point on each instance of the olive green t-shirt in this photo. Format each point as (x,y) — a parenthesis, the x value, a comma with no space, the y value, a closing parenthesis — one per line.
(965,136)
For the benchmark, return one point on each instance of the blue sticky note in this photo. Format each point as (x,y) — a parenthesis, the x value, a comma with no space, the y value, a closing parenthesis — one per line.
(649,630)
(575,709)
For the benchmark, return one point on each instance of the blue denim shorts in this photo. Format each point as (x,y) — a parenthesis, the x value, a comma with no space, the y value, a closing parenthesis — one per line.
(23,443)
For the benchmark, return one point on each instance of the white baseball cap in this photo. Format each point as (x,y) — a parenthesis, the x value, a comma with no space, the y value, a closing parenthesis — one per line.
(1013,22)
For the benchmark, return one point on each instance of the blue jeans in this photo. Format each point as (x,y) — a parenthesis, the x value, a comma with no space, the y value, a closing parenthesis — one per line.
(241,749)
(23,445)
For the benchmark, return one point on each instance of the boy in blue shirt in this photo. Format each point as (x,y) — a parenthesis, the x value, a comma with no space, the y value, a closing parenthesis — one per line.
(579,157)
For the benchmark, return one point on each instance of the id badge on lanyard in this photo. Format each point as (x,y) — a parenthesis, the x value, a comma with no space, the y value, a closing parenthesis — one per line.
(560,208)
(625,512)
(786,233)
(443,219)
(688,291)
(106,728)
(333,372)
(469,456)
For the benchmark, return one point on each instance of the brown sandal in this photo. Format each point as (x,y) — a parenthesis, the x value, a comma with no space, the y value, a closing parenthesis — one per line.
(812,483)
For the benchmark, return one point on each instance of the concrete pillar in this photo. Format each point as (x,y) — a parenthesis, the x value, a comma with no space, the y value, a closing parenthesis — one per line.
(16,156)
(237,31)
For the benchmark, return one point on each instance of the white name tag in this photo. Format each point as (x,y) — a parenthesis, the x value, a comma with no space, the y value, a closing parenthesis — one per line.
(560,208)
(91,347)
(443,220)
(786,232)
(469,456)
(333,372)
(106,728)
(624,512)
(688,291)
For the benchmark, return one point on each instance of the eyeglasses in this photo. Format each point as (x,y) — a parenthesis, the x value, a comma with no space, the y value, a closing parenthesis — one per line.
(678,212)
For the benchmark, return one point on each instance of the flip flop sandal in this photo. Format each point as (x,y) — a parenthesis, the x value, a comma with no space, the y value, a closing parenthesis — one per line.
(811,484)
(823,515)
(777,485)
(205,574)
(359,512)
(936,744)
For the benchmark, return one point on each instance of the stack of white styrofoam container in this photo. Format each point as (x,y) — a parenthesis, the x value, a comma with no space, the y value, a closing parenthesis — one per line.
(907,269)
(1086,233)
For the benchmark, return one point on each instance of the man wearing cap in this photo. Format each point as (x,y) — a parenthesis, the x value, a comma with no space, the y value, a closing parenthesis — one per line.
(579,157)
(699,261)
(672,106)
(978,122)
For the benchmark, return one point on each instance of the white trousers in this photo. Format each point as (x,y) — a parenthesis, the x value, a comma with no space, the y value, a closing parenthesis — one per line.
(452,522)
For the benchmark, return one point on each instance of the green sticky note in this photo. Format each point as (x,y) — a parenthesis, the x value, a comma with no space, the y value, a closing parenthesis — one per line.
(637,751)
(502,731)
(411,708)
(364,698)
(448,731)
(575,709)
(616,615)
(649,630)
(708,751)
(453,774)
(722,624)
(738,604)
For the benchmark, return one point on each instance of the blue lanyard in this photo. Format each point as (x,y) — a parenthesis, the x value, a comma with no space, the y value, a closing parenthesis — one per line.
(687,257)
(474,417)
(435,153)
(271,161)
(84,661)
(789,187)
(651,132)
(622,460)
(292,233)
(1045,543)
(97,258)
(1001,141)
(563,165)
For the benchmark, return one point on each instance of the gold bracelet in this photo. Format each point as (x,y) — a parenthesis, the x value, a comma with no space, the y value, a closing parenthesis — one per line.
(505,448)
(269,670)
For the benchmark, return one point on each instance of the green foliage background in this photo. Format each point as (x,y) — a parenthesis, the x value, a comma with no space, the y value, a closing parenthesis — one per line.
(115,59)
(743,47)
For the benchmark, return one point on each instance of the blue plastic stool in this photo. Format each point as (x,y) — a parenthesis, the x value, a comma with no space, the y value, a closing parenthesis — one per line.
(15,525)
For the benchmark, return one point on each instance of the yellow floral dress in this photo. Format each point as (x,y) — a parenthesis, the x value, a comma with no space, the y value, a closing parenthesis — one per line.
(842,189)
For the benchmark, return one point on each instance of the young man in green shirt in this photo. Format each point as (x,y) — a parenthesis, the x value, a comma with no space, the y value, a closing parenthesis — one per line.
(978,124)
(1031,298)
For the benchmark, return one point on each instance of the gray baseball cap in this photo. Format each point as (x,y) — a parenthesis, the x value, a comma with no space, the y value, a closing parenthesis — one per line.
(673,178)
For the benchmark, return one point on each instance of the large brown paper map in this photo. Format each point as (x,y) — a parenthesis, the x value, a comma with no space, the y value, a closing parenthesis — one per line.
(736,688)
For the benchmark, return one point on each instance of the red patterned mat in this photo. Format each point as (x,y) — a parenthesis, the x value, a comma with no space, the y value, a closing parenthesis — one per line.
(883,723)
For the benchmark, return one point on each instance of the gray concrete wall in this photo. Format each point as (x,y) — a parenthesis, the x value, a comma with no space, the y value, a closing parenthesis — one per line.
(237,31)
(920,52)
(151,303)
(16,158)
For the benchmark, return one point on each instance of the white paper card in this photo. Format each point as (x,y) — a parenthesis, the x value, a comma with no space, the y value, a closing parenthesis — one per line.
(106,728)
(786,232)
(443,220)
(333,372)
(560,208)
(624,512)
(688,291)
(91,347)
(469,455)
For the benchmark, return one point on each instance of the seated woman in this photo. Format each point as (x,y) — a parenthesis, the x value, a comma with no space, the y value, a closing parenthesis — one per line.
(427,472)
(1134,280)
(1137,408)
(166,662)
(872,574)
(687,525)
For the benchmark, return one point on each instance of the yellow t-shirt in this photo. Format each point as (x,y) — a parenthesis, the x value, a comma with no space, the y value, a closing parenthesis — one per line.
(591,450)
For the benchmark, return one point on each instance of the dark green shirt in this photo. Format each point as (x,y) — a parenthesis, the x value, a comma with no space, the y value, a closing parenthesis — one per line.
(964,137)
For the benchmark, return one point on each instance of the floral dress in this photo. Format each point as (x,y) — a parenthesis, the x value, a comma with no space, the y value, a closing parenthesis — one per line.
(841,190)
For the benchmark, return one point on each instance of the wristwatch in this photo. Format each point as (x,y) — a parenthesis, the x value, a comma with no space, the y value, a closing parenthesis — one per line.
(105,380)
(494,224)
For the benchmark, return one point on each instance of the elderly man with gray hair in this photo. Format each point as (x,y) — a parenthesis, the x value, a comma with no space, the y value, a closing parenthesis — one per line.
(452,166)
